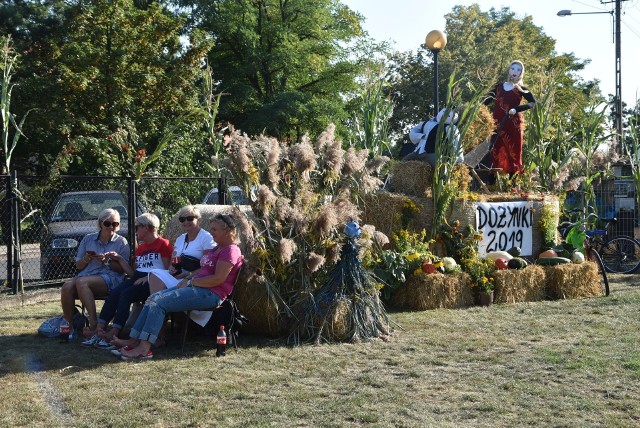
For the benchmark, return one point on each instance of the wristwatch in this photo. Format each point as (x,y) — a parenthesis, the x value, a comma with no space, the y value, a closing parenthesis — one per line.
(190,283)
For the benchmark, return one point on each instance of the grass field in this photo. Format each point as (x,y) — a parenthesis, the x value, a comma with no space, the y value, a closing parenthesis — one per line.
(572,363)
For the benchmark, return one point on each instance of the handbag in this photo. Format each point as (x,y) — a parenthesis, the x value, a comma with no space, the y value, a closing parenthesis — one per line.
(189,263)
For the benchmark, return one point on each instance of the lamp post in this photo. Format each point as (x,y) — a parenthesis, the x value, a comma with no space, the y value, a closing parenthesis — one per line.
(618,97)
(435,41)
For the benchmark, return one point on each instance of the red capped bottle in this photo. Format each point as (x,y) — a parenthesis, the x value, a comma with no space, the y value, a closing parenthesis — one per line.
(221,342)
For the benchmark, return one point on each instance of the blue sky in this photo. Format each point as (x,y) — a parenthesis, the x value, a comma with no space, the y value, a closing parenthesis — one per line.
(407,22)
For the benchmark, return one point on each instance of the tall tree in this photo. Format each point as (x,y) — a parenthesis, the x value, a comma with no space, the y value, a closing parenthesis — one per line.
(110,65)
(283,63)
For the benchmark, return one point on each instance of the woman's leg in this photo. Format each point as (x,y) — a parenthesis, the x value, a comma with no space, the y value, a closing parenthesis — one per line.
(87,288)
(155,284)
(157,307)
(68,299)
(111,302)
(133,294)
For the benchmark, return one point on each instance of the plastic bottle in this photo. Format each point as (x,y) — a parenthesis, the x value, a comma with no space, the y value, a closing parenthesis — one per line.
(65,330)
(221,341)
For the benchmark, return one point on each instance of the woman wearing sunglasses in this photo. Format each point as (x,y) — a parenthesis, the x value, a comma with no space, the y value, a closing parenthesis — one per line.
(207,288)
(152,252)
(97,276)
(192,243)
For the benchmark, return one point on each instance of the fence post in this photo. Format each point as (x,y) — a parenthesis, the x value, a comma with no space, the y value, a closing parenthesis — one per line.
(7,223)
(16,282)
(222,191)
(133,213)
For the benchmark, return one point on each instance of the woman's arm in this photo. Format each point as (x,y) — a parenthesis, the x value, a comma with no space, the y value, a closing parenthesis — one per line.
(223,269)
(119,264)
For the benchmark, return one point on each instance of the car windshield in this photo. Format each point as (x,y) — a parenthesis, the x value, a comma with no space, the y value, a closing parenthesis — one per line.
(82,207)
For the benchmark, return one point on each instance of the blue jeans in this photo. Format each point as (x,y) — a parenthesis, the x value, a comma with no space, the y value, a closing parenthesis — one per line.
(151,318)
(119,301)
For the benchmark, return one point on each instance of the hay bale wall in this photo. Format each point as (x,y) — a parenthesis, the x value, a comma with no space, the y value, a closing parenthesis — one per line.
(573,281)
(519,285)
(436,291)
(383,209)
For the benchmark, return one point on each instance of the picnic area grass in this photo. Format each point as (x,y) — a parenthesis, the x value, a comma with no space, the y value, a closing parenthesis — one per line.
(571,363)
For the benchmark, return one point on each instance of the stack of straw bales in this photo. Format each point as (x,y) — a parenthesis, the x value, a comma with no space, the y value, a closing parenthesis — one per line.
(519,285)
(573,281)
(447,291)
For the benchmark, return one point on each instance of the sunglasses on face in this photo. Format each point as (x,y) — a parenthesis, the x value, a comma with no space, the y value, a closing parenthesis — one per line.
(187,218)
(108,223)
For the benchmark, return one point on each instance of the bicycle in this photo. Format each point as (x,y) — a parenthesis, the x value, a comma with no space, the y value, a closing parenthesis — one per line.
(620,254)
(579,238)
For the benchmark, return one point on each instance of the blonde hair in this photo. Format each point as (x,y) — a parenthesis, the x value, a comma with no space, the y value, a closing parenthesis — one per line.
(105,214)
(148,220)
(189,209)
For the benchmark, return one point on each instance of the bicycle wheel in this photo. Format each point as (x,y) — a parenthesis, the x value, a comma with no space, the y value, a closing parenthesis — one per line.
(593,256)
(620,255)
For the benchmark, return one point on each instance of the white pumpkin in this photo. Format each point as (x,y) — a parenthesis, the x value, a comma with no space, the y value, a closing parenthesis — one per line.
(577,257)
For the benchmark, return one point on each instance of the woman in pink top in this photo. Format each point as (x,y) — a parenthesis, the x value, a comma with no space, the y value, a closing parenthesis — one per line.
(207,288)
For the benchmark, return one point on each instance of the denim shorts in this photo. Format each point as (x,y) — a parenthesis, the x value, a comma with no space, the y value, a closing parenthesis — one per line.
(109,280)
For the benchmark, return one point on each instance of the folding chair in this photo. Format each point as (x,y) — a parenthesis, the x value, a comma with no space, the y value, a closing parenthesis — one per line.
(226,313)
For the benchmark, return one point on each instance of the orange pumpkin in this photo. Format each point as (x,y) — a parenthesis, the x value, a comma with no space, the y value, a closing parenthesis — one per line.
(548,253)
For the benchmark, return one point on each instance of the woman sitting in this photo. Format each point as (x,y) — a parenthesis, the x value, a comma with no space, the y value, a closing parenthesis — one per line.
(191,244)
(97,276)
(207,288)
(153,252)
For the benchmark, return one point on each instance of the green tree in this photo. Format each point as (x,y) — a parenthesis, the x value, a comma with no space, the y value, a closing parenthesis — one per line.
(110,66)
(284,63)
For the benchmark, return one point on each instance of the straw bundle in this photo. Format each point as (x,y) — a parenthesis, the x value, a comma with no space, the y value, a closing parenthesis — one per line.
(384,210)
(338,322)
(573,281)
(252,297)
(413,178)
(421,292)
(519,285)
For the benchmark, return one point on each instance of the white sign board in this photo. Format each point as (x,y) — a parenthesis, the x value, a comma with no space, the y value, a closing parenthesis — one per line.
(505,225)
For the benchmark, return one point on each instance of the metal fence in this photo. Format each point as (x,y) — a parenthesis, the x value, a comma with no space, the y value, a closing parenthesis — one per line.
(43,219)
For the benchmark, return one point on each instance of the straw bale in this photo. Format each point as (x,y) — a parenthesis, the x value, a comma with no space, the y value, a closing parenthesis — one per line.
(573,281)
(413,178)
(421,292)
(519,285)
(174,227)
(384,210)
(253,300)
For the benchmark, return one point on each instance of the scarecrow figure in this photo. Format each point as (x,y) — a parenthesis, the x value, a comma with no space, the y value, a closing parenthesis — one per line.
(423,136)
(506,153)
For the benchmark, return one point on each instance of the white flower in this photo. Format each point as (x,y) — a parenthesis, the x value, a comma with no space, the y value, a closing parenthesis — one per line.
(449,264)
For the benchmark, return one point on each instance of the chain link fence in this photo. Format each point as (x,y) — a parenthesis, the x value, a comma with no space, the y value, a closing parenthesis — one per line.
(51,216)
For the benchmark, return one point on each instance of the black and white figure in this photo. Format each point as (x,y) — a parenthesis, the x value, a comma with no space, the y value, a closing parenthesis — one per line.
(423,136)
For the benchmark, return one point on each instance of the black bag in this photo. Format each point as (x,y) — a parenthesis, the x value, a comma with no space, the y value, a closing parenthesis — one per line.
(189,263)
(228,315)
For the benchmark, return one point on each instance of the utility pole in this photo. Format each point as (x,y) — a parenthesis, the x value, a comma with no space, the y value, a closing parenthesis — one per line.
(618,97)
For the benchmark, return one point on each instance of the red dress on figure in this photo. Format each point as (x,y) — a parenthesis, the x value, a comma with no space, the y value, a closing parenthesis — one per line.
(507,149)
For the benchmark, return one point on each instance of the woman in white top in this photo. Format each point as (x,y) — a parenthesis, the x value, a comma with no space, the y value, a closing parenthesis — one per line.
(194,242)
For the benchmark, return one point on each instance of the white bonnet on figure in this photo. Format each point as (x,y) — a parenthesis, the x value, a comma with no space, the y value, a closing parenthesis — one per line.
(517,80)
(452,118)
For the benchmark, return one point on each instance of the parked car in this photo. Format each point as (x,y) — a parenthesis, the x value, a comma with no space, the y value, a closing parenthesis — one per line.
(74,215)
(235,195)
